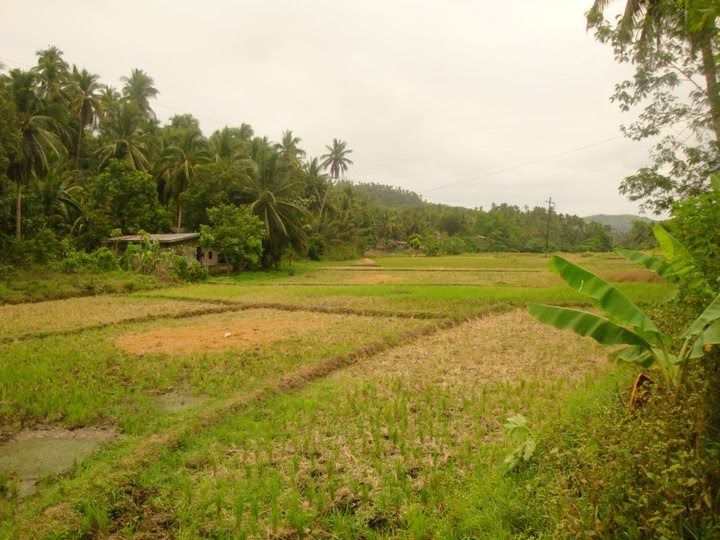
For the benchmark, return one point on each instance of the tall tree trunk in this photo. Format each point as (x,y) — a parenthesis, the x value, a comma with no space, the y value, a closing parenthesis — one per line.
(81,132)
(18,211)
(709,68)
(179,221)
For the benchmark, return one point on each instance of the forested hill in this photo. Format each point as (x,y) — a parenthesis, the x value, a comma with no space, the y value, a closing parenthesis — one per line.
(389,195)
(620,223)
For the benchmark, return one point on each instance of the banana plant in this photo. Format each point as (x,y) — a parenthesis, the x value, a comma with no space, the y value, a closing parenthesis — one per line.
(626,324)
(677,264)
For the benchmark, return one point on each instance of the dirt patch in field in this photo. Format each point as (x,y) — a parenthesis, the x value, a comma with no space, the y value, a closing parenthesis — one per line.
(641,276)
(373,278)
(31,455)
(366,262)
(229,334)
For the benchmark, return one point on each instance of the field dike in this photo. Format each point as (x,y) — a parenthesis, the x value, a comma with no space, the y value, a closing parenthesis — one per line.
(313,309)
(103,481)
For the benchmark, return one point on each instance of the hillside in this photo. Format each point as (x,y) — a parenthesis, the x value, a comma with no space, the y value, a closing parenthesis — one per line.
(391,196)
(619,222)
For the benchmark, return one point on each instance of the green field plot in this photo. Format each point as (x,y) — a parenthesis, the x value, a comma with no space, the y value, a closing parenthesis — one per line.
(115,374)
(393,445)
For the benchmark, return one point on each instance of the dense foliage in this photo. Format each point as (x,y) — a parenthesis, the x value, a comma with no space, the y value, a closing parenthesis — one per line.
(234,233)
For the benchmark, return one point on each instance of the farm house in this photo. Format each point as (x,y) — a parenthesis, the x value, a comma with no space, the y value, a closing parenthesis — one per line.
(186,244)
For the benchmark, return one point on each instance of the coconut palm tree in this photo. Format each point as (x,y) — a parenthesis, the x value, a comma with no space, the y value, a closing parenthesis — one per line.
(123,137)
(179,162)
(317,190)
(336,159)
(85,103)
(53,72)
(227,143)
(289,148)
(60,196)
(139,88)
(274,197)
(231,143)
(37,140)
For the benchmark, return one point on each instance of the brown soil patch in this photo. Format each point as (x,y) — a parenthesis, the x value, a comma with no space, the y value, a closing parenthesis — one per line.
(228,334)
(641,276)
(30,455)
(374,278)
(365,262)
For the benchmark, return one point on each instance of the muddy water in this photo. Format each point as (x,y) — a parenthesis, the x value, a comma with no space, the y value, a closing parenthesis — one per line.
(31,455)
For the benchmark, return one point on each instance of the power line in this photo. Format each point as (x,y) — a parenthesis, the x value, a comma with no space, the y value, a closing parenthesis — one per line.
(526,164)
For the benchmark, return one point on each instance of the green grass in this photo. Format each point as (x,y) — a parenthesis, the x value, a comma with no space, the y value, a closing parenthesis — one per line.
(352,419)
(86,378)
(41,285)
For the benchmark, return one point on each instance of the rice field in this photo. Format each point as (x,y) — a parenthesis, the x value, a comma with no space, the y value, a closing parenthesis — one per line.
(344,401)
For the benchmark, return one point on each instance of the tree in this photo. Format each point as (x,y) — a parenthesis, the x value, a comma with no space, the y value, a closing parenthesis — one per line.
(673,45)
(235,233)
(123,138)
(53,73)
(289,148)
(85,103)
(9,132)
(317,189)
(139,88)
(336,159)
(230,143)
(215,184)
(125,198)
(274,197)
(180,161)
(36,138)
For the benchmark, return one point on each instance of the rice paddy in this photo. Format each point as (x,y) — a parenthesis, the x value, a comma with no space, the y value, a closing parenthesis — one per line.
(340,402)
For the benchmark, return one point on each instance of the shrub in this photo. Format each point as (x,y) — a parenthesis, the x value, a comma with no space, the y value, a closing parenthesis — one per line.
(7,272)
(235,233)
(101,260)
(142,257)
(183,270)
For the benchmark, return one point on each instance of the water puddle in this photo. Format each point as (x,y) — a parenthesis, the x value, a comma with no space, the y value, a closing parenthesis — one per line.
(175,402)
(31,455)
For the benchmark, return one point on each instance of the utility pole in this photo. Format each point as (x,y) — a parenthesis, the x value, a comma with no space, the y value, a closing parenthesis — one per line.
(547,230)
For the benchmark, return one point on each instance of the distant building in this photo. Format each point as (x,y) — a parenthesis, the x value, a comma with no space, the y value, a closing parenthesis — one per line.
(186,244)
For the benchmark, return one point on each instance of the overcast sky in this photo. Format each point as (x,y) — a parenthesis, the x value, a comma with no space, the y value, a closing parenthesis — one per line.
(466,102)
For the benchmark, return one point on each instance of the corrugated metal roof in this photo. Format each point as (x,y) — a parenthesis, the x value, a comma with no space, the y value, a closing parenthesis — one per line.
(165,238)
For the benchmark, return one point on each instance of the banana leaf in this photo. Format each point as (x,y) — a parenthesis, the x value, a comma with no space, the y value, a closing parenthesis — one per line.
(715,182)
(586,324)
(634,354)
(618,307)
(707,317)
(710,336)
(681,261)
(651,262)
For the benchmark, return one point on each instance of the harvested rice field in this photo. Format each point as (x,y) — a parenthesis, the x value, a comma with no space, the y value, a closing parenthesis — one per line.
(345,401)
